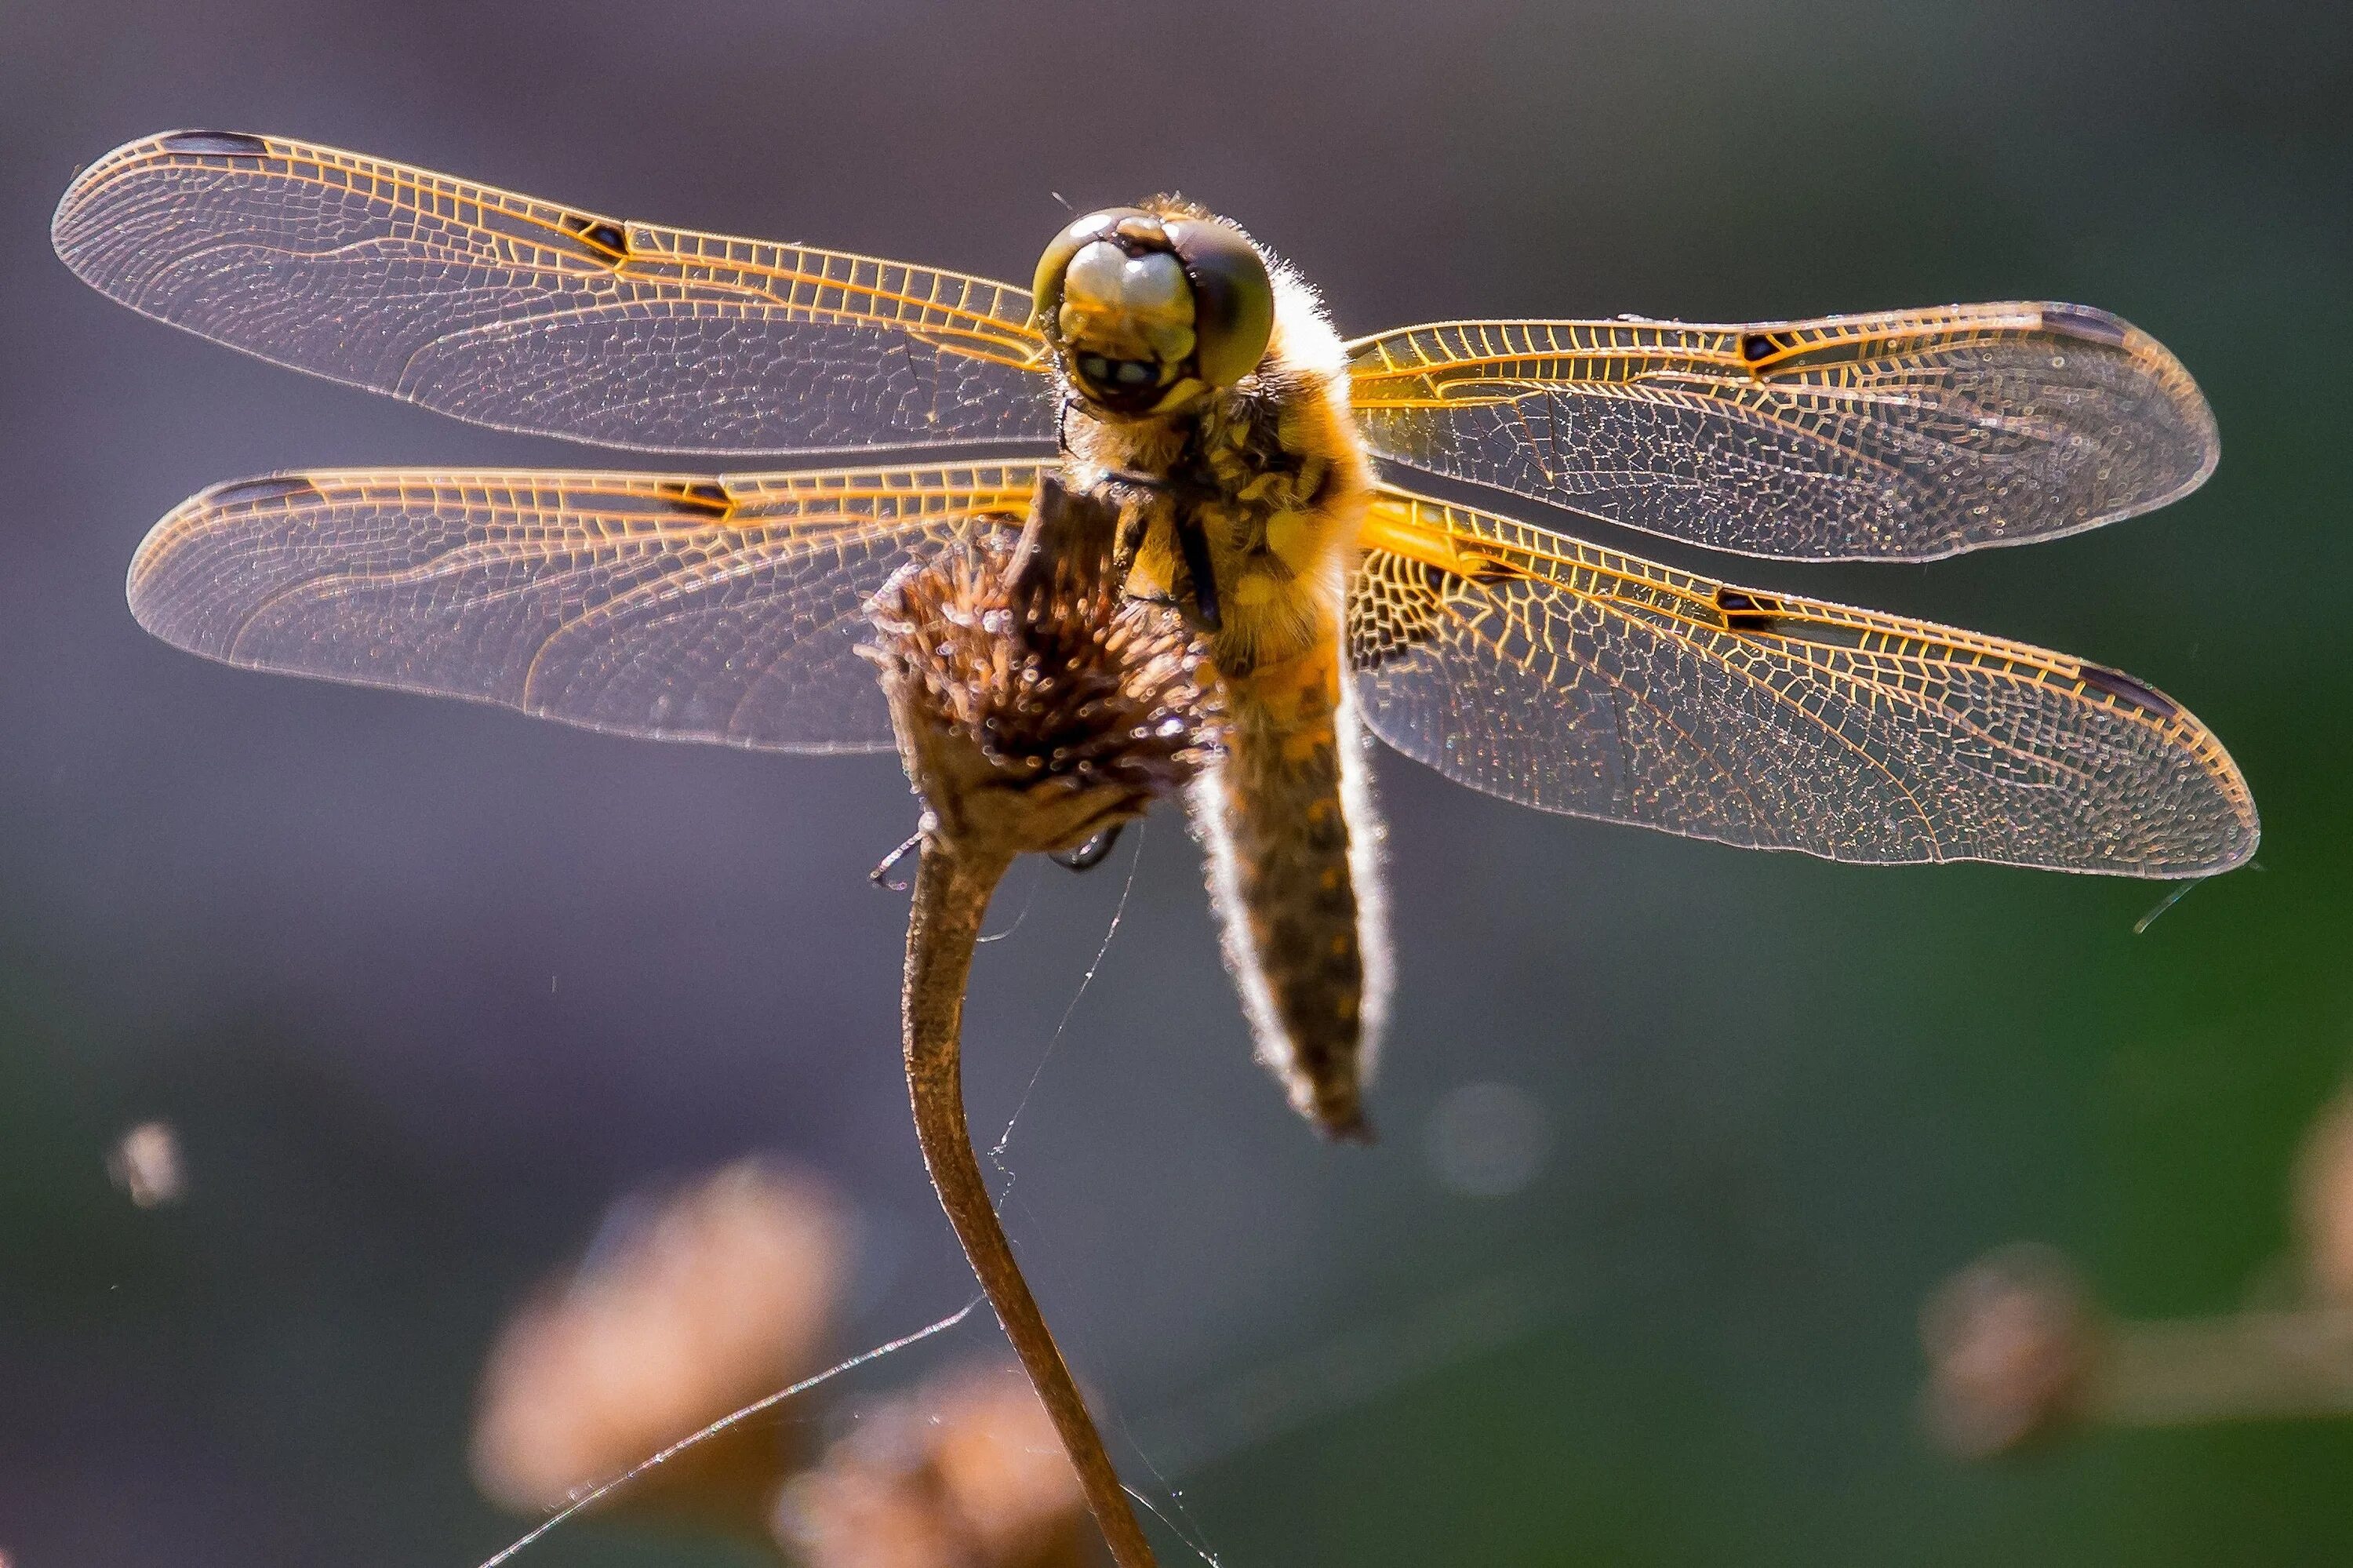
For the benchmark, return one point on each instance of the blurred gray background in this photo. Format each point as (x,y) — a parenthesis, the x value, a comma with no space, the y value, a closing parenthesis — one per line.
(424,986)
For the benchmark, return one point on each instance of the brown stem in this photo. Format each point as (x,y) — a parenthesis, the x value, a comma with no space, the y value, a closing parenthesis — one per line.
(2253,1366)
(952,891)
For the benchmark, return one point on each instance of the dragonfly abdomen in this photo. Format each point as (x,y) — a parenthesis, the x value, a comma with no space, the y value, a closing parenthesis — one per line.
(1293,871)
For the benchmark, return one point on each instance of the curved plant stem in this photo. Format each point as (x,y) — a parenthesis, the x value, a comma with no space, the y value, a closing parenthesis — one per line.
(952,886)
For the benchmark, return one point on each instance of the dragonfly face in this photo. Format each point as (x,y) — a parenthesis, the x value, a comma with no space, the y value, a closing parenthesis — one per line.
(1160,363)
(1148,310)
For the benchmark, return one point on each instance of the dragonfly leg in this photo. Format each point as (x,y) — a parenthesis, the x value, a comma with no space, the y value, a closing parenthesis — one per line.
(1138,503)
(879,877)
(1141,500)
(1193,541)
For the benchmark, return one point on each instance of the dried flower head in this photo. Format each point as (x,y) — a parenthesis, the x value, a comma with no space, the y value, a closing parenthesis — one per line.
(964,1472)
(2325,1200)
(1037,705)
(146,1163)
(2012,1342)
(1037,708)
(686,1310)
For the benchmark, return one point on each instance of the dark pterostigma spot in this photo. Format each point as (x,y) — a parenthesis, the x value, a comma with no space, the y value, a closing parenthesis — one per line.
(270,487)
(215,144)
(2124,689)
(1759,616)
(1737,605)
(1758,345)
(703,497)
(2084,322)
(602,233)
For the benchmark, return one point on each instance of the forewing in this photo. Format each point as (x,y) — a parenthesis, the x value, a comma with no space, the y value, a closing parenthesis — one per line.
(529,316)
(1575,679)
(677,607)
(1901,436)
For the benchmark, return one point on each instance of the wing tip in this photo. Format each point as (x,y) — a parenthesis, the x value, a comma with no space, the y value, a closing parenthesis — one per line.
(69,245)
(148,606)
(2089,323)
(2245,831)
(143,585)
(2242,847)
(2229,828)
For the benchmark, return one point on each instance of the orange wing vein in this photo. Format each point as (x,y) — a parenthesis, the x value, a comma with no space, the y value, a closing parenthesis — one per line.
(677,606)
(526,315)
(1903,435)
(1575,679)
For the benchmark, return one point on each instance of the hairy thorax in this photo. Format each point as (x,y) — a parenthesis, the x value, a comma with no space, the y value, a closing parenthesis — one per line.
(1273,473)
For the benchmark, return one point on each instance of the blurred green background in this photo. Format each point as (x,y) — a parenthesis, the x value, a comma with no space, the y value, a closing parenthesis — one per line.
(424,987)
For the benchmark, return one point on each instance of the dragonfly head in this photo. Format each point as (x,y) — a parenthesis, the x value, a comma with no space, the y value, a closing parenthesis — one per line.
(1149,309)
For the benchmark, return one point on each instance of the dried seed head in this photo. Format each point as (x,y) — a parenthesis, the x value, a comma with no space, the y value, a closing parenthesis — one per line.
(686,1310)
(2014,1342)
(964,1472)
(146,1163)
(1036,705)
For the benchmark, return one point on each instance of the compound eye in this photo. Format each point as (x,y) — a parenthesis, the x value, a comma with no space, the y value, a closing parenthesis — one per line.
(1141,301)
(1233,298)
(1045,288)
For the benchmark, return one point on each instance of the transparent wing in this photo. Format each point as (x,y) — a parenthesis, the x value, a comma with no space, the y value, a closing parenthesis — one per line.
(1575,679)
(528,316)
(1901,436)
(677,607)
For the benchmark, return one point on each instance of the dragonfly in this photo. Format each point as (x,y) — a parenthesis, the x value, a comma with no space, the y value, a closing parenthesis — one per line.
(1164,363)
